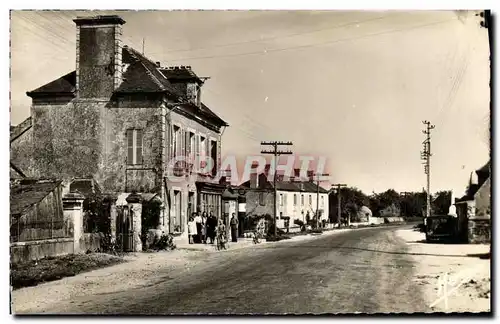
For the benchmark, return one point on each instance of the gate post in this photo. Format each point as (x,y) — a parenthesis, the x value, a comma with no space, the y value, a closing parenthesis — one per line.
(134,201)
(110,205)
(73,216)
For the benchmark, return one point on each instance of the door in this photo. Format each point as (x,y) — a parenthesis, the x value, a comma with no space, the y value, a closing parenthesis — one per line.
(124,230)
(191,206)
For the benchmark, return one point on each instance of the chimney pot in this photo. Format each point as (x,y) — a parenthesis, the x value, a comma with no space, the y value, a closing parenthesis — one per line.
(158,64)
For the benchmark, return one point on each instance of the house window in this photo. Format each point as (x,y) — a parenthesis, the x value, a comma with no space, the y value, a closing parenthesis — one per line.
(189,144)
(203,146)
(134,141)
(295,199)
(281,199)
(177,141)
(310,200)
(213,155)
(302,200)
(322,201)
(262,200)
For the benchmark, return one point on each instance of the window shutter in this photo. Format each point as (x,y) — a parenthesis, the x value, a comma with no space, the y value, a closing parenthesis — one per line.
(188,143)
(130,146)
(197,144)
(182,150)
(138,147)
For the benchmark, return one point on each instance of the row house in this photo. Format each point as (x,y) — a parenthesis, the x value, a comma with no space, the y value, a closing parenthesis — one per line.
(297,197)
(120,119)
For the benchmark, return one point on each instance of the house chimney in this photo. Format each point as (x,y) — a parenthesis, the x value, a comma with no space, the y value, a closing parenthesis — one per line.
(158,64)
(254,177)
(310,175)
(98,55)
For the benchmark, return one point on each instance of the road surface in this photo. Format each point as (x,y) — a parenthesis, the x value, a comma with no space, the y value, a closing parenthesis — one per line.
(364,270)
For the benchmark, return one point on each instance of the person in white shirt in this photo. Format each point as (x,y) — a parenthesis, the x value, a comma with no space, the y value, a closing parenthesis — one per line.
(199,224)
(192,230)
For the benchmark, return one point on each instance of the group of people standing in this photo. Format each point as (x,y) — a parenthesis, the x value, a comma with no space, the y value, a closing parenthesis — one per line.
(204,228)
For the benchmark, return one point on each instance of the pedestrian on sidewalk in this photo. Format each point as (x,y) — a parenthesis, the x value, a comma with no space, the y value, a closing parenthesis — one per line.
(221,234)
(204,227)
(211,227)
(197,220)
(234,228)
(192,231)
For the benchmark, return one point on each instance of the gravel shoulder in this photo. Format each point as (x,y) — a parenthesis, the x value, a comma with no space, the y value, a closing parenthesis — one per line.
(464,269)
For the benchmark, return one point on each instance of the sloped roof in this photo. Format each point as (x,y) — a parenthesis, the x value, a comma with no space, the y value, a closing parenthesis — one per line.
(140,75)
(180,73)
(298,186)
(86,187)
(63,85)
(26,193)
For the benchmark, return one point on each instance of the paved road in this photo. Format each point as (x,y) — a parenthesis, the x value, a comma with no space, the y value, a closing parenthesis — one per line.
(363,270)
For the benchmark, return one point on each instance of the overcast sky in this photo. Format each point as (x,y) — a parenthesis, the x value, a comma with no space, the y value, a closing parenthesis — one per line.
(351,86)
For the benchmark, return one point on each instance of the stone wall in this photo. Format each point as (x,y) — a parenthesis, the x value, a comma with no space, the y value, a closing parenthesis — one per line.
(259,202)
(35,250)
(479,231)
(21,151)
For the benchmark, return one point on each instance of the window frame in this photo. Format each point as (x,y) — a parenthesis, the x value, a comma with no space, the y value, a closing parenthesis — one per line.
(134,160)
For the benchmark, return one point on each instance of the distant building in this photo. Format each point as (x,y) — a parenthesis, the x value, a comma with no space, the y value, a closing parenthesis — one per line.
(474,209)
(296,198)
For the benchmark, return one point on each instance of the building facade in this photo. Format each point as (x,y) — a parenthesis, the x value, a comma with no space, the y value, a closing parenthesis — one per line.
(296,199)
(128,123)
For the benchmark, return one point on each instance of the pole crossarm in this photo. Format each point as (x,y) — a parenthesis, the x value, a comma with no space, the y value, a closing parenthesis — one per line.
(275,152)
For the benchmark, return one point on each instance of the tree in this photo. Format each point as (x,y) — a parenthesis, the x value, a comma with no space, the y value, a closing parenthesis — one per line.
(352,199)
(441,203)
(382,201)
(413,204)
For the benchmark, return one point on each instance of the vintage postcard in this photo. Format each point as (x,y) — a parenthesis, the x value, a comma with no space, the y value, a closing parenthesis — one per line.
(194,162)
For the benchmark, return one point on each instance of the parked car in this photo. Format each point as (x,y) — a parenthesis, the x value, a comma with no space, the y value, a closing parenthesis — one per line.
(440,228)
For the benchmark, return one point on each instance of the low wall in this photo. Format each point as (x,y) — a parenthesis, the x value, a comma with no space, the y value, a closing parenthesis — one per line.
(479,231)
(34,250)
(91,242)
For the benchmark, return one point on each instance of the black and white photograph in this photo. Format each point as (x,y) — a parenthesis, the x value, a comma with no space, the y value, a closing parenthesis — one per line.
(250,162)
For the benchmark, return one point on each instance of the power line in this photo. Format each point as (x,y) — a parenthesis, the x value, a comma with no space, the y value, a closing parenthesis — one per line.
(314,45)
(276,37)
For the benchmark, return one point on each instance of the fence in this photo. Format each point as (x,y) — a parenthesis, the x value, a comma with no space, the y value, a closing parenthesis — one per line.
(24,230)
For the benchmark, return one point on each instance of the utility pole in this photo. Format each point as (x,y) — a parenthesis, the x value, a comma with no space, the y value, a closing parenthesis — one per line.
(143,41)
(276,153)
(318,175)
(338,186)
(425,155)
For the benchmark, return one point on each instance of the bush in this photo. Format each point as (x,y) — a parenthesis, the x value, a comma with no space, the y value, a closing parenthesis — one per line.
(272,238)
(270,230)
(165,242)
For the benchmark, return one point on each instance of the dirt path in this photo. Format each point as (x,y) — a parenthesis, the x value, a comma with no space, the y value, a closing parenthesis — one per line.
(464,269)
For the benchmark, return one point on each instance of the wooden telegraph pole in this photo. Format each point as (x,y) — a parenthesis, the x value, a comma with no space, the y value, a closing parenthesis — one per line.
(426,157)
(338,186)
(318,176)
(276,153)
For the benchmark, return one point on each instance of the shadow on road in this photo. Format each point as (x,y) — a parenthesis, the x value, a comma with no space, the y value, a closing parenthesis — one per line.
(323,247)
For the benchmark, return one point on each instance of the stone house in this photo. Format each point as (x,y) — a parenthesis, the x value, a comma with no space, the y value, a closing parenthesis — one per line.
(121,119)
(297,198)
(474,209)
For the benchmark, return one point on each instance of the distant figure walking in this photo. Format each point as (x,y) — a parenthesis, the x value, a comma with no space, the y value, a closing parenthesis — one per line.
(234,228)
(221,235)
